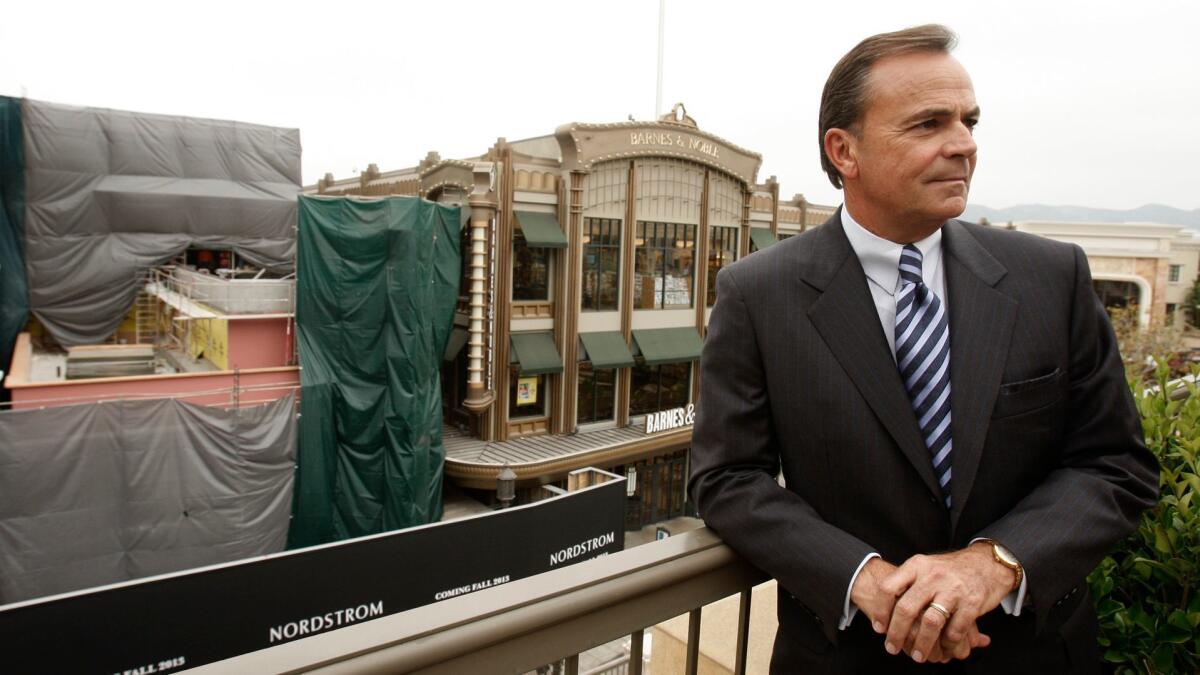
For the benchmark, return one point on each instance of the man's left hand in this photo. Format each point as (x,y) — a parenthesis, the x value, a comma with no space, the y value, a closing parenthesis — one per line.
(968,583)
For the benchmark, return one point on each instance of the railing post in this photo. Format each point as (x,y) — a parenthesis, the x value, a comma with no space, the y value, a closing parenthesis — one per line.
(693,642)
(635,652)
(743,633)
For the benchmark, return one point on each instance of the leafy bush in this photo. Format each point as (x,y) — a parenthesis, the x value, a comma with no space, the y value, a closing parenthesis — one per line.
(1146,592)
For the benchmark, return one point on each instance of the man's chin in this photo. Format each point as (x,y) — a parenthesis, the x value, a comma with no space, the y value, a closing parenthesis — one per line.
(953,208)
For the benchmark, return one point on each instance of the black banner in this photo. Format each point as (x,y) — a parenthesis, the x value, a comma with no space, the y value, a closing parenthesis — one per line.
(191,618)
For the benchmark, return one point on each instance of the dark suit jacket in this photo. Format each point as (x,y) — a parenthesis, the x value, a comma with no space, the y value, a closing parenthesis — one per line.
(1049,457)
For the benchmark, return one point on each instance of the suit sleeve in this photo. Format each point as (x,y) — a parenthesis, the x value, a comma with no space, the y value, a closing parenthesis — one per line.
(735,465)
(1105,475)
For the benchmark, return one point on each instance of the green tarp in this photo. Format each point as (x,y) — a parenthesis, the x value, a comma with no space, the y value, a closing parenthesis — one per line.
(376,287)
(14,296)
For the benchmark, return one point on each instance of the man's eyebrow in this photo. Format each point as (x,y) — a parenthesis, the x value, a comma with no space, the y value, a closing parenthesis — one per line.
(939,111)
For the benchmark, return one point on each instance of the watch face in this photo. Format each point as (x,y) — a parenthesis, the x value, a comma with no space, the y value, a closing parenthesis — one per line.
(1005,555)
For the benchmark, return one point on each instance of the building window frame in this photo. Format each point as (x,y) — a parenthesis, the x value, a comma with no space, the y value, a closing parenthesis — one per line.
(722,250)
(1174,272)
(592,380)
(528,281)
(534,411)
(656,373)
(601,243)
(661,246)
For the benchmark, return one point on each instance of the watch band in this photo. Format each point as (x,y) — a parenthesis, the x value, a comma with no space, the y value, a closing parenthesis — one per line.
(1005,557)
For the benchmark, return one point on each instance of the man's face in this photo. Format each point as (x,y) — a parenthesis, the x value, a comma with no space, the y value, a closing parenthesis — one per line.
(914,145)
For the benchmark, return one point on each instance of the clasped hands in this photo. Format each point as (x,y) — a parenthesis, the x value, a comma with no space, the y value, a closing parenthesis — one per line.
(967,584)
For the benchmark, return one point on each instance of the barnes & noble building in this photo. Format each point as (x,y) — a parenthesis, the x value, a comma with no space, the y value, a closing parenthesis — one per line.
(589,264)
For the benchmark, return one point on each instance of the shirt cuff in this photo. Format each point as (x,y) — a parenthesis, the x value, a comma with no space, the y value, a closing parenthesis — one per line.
(849,610)
(1014,601)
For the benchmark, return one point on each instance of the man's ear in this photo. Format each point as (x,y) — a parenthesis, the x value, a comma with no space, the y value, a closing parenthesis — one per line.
(841,150)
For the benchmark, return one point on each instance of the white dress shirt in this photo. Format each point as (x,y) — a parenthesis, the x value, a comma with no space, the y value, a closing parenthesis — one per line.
(880,260)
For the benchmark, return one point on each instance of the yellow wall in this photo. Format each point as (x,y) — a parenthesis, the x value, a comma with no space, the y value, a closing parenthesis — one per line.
(210,339)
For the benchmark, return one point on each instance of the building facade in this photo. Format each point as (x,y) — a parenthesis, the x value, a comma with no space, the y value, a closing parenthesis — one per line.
(1147,265)
(589,266)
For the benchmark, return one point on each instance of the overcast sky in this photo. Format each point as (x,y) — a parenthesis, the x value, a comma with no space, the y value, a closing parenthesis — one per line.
(1089,103)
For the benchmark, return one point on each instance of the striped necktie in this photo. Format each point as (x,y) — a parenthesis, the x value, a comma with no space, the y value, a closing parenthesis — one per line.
(923,356)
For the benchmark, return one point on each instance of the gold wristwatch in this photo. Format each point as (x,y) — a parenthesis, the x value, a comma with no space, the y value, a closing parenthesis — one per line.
(1006,558)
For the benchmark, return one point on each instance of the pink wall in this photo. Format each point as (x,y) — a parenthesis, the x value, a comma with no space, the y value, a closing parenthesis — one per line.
(264,385)
(260,343)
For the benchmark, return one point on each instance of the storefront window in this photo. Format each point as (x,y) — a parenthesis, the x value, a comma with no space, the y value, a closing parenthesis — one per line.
(531,270)
(722,250)
(601,263)
(597,392)
(663,268)
(656,388)
(526,395)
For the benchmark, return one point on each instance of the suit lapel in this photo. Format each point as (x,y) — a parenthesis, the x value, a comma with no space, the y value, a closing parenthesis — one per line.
(981,326)
(846,318)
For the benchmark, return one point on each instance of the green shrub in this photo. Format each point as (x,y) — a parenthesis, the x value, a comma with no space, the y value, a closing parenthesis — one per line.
(1146,592)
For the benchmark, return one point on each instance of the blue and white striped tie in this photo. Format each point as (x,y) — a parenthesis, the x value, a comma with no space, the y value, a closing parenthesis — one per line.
(923,356)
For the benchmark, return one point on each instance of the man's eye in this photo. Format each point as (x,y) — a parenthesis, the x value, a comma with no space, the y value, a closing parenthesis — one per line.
(971,123)
(928,124)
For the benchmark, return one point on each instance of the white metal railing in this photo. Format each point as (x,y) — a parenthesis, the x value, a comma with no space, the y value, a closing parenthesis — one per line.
(195,294)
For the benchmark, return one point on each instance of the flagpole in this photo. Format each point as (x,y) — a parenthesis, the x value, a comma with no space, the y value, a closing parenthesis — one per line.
(662,20)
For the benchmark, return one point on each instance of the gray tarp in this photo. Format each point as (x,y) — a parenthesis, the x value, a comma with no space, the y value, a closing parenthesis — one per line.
(106,492)
(109,192)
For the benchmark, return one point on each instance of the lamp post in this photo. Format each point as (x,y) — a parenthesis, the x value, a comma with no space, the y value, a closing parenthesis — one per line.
(506,487)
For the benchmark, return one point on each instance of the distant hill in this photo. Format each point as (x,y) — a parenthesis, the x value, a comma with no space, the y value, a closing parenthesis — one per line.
(1150,213)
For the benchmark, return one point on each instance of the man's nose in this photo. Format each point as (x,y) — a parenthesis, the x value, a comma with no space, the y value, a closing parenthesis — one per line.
(961,142)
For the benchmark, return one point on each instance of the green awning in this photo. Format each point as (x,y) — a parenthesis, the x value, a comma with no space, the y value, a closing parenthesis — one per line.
(458,338)
(761,237)
(606,350)
(541,229)
(536,353)
(668,345)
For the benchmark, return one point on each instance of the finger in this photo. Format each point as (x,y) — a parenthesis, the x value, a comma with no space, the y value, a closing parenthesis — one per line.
(961,625)
(939,655)
(979,640)
(929,631)
(961,650)
(955,650)
(899,581)
(907,612)
(881,612)
(936,654)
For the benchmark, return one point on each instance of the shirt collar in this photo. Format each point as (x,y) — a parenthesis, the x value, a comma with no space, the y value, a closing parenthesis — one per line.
(880,258)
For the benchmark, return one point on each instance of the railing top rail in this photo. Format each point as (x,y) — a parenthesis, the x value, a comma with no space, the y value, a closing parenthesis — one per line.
(525,623)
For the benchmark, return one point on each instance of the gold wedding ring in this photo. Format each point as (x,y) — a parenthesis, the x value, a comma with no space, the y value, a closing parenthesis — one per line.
(941,610)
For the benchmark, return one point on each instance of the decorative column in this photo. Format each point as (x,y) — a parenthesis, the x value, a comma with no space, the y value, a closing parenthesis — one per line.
(483,205)
(628,251)
(572,298)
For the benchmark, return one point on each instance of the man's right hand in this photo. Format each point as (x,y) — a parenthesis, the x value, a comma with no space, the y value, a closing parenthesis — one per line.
(869,598)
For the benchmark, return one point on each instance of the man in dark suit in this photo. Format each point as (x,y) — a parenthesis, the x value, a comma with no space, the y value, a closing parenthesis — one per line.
(899,388)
